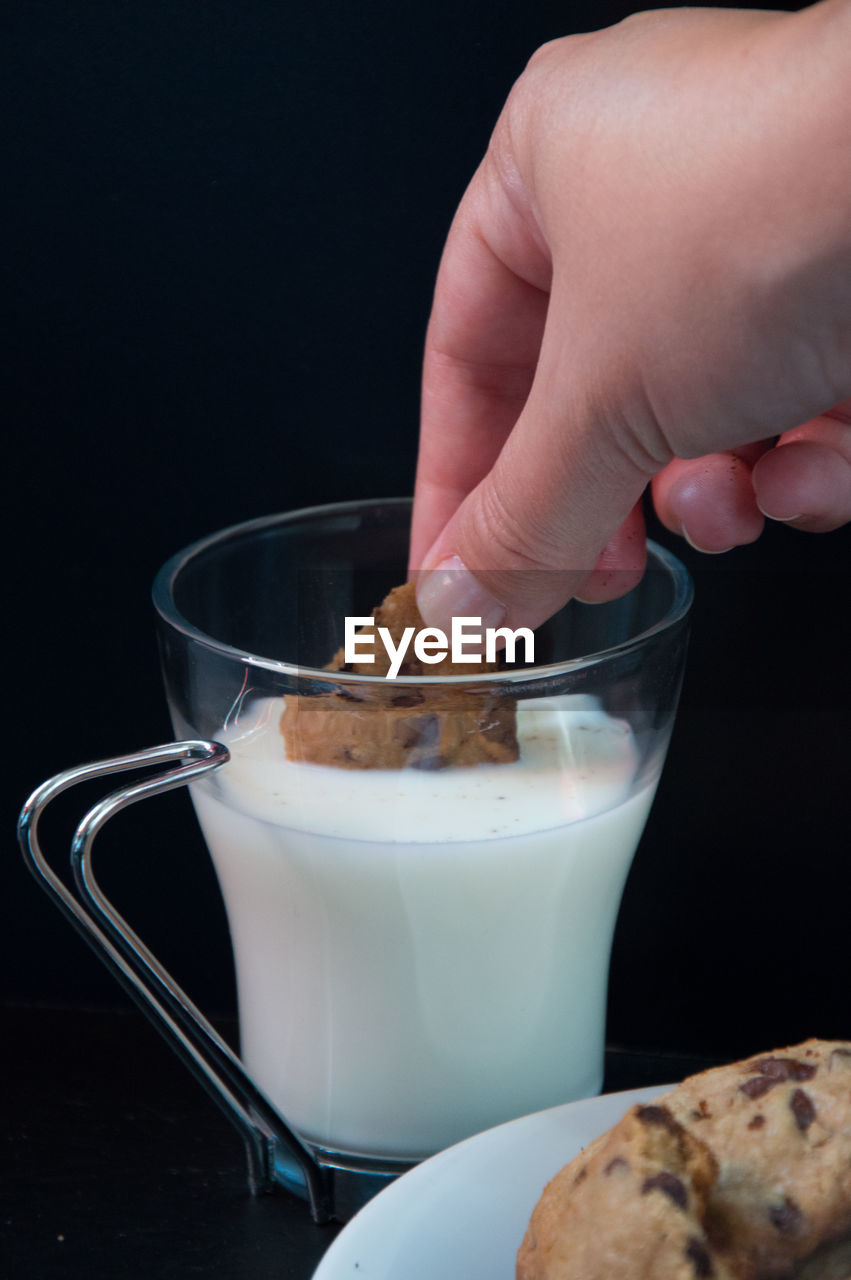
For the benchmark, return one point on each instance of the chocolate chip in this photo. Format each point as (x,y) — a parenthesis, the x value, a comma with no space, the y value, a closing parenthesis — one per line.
(772,1071)
(758,1086)
(581,1175)
(784,1068)
(803,1109)
(421,736)
(410,699)
(347,696)
(786,1217)
(615,1163)
(673,1187)
(658,1115)
(428,764)
(757,1122)
(698,1255)
(418,731)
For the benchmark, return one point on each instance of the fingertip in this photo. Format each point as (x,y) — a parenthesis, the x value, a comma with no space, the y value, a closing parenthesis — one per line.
(710,502)
(449,590)
(805,484)
(692,541)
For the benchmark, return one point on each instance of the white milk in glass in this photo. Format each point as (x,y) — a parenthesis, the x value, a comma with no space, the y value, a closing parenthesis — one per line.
(421,955)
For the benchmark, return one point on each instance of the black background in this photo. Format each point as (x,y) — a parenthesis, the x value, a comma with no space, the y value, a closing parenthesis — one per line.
(221,227)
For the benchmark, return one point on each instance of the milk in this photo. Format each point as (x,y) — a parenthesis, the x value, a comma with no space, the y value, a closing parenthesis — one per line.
(421,955)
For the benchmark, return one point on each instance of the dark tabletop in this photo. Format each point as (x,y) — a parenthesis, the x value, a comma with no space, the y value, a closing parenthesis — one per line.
(116,1164)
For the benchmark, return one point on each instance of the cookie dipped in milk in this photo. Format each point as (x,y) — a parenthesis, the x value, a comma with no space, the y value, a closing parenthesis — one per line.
(421,890)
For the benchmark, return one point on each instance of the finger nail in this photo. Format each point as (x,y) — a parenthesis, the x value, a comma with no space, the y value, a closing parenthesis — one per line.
(450,591)
(720,551)
(781,519)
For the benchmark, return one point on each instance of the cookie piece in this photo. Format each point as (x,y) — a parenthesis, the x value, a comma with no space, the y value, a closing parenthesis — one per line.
(780,1126)
(757,1165)
(390,726)
(405,729)
(631,1205)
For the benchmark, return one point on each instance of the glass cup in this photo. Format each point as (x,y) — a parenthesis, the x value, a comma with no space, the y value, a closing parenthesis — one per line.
(421,948)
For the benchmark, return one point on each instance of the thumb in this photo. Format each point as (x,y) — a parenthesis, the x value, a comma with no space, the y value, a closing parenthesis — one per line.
(558,515)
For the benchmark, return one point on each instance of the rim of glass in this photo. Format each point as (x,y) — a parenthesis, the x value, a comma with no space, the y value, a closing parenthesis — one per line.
(163,599)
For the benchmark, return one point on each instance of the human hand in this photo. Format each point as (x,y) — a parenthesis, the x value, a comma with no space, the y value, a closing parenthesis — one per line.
(648,280)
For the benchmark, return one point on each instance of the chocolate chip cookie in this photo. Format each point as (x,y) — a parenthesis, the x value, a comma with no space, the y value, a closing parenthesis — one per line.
(740,1173)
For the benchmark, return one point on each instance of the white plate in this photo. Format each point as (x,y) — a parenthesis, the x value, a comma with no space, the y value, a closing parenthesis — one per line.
(461,1215)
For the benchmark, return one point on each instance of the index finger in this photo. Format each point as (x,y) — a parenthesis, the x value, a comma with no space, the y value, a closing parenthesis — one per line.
(481,351)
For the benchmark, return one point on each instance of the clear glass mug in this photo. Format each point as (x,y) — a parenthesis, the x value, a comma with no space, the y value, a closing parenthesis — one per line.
(420,953)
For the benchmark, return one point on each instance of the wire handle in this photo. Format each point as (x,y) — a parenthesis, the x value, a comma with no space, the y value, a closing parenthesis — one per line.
(185,1028)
